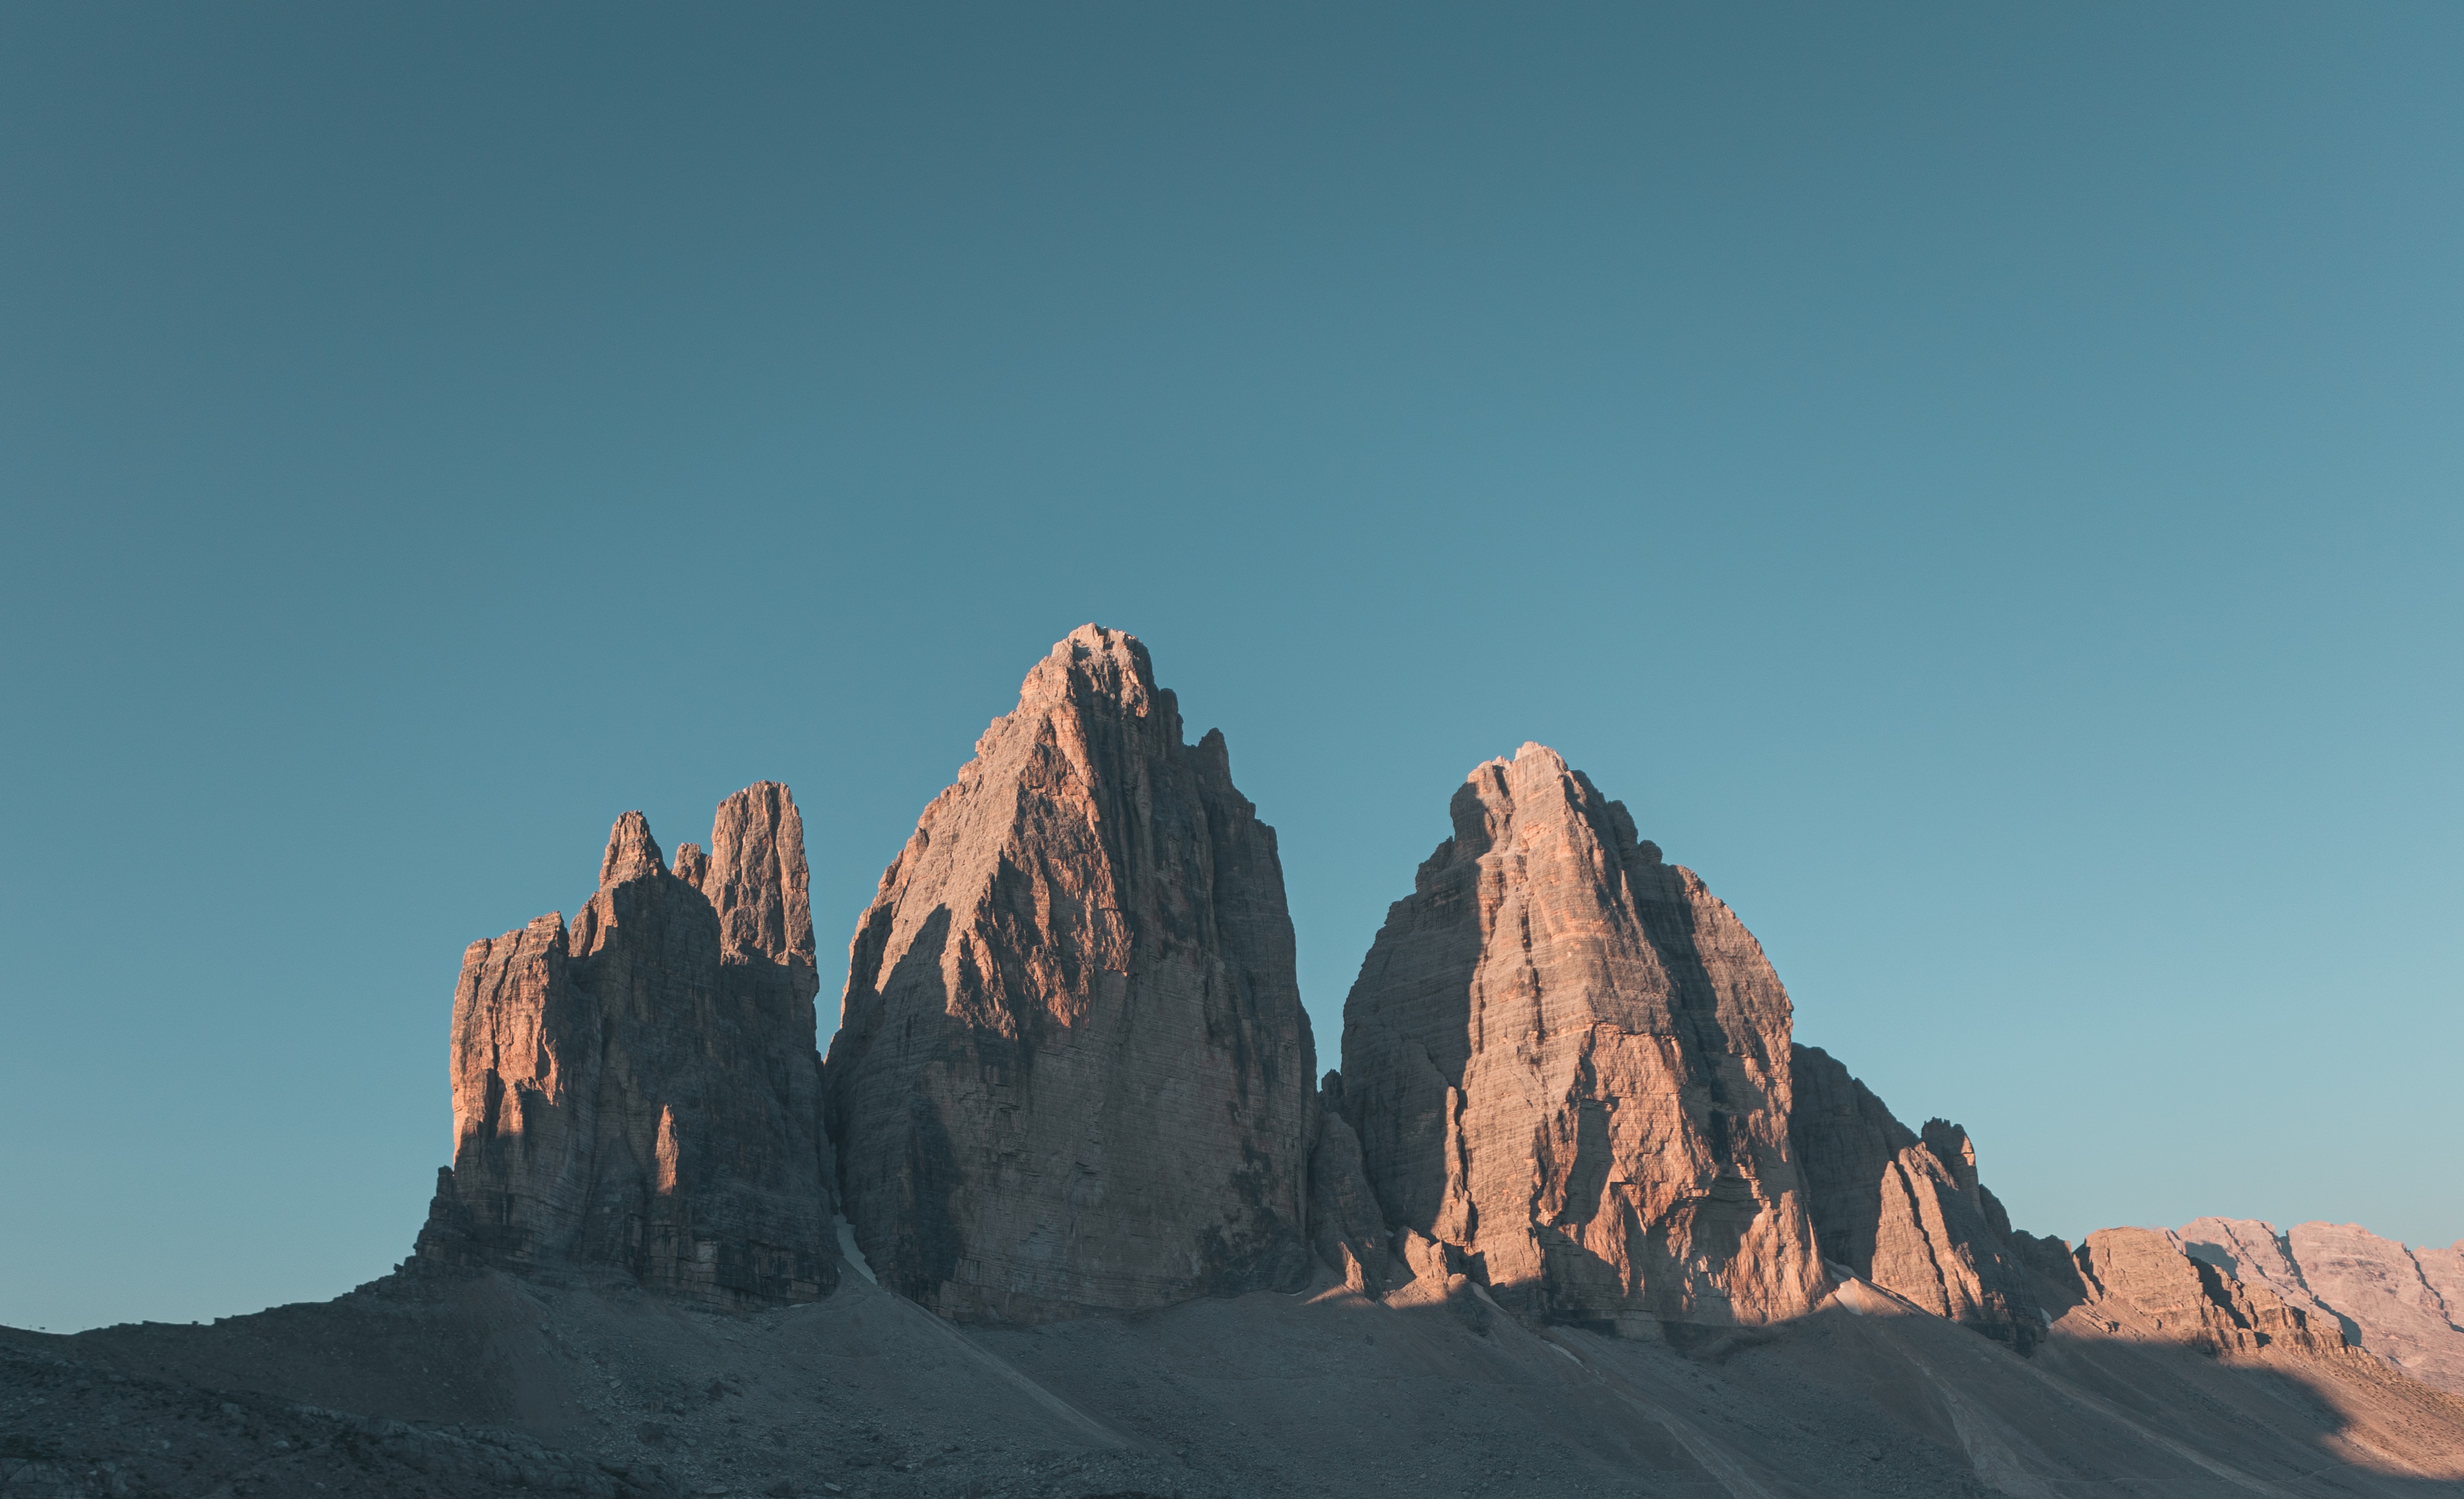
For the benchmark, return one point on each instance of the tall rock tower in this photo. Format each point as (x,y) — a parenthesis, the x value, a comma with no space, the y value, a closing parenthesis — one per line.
(1072,1072)
(1567,1064)
(641,1092)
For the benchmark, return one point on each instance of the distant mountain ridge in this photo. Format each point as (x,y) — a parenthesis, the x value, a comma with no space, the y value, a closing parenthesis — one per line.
(1574,1160)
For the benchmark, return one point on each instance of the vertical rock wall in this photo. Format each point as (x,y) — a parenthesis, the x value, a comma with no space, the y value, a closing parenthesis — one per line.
(1905,1212)
(1569,1064)
(641,1092)
(1072,1072)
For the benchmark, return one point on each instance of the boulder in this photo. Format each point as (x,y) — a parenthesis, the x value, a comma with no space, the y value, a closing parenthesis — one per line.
(1072,1072)
(641,1092)
(1568,1068)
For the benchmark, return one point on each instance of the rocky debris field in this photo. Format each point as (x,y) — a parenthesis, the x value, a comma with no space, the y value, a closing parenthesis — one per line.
(453,1385)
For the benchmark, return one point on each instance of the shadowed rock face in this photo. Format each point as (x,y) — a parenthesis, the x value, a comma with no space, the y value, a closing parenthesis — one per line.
(2404,1306)
(1905,1212)
(1072,1072)
(641,1092)
(1569,1065)
(1347,1227)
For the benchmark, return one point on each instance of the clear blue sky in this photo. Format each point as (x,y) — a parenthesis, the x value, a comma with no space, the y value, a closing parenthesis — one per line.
(1980,482)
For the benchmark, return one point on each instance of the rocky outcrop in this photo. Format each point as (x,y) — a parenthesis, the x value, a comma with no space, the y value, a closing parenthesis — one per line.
(2142,1277)
(1904,1212)
(2404,1306)
(642,1091)
(1347,1227)
(2049,1258)
(1568,1066)
(1072,1072)
(2255,1253)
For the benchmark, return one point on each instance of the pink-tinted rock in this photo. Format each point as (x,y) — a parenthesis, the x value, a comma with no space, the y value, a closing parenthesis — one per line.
(2385,1296)
(2443,1270)
(1073,1070)
(2402,1306)
(1903,1212)
(1568,1066)
(641,1092)
(2143,1277)
(2255,1253)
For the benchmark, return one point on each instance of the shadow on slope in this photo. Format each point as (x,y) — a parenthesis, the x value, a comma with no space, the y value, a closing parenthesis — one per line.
(478,1384)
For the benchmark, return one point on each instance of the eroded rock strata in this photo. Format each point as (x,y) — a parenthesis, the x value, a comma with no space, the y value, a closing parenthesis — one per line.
(1906,1211)
(1072,1066)
(642,1091)
(1568,1066)
(2144,1276)
(2404,1306)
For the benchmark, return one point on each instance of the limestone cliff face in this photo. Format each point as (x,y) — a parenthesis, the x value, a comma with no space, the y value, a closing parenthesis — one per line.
(2404,1306)
(2142,1279)
(1072,1072)
(642,1091)
(1568,1065)
(1904,1212)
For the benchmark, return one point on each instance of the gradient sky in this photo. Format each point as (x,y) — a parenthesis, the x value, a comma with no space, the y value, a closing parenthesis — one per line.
(1981,483)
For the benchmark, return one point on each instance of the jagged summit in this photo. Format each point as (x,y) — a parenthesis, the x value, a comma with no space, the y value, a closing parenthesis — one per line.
(1072,1069)
(642,1092)
(1593,1222)
(1567,1064)
(1906,1211)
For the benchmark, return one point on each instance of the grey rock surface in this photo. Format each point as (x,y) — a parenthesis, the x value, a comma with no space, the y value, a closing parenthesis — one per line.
(643,1091)
(458,1386)
(1347,1227)
(1567,1064)
(1904,1212)
(1072,1072)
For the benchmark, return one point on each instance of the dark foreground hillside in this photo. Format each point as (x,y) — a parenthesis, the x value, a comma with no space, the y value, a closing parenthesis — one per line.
(485,1384)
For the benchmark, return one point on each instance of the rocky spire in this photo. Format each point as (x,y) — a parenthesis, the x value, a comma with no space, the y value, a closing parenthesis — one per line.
(1569,1065)
(1906,1211)
(1073,1070)
(641,1092)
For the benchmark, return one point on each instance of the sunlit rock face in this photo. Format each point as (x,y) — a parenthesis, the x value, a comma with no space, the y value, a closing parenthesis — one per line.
(1904,1212)
(641,1092)
(2404,1306)
(1568,1065)
(2143,1280)
(1072,1072)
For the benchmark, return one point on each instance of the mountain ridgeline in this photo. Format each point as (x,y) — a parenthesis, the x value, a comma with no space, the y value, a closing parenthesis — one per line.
(1073,1075)
(1071,1212)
